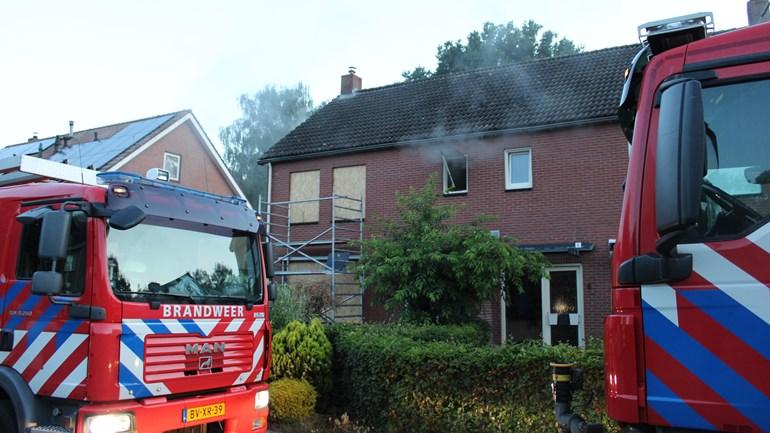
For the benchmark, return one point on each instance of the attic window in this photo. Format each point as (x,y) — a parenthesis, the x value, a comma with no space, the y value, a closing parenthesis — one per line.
(455,174)
(173,165)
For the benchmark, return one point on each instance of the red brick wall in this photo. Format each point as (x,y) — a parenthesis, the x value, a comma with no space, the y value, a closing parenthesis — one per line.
(576,194)
(198,169)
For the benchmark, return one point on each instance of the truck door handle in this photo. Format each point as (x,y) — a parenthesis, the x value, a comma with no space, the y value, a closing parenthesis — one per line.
(88,312)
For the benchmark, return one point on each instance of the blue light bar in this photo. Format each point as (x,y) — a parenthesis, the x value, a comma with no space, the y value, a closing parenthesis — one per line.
(123,177)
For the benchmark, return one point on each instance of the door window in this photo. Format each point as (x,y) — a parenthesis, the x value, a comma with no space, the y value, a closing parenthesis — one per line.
(73,268)
(736,185)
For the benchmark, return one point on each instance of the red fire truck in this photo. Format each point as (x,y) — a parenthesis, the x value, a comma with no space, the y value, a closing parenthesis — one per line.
(687,346)
(129,305)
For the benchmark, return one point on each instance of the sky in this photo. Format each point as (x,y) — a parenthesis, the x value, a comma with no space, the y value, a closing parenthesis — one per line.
(99,63)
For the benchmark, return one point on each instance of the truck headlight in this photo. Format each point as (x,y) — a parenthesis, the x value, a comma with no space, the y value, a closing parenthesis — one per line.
(110,423)
(261,399)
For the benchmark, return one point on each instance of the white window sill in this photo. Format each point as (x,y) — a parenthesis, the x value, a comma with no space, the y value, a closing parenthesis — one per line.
(518,186)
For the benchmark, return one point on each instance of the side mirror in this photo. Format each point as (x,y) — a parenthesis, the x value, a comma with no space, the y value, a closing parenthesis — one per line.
(679,169)
(46,283)
(272,291)
(267,253)
(55,235)
(126,218)
(680,162)
(54,238)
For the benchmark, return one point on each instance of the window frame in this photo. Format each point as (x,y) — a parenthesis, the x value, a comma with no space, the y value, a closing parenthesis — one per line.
(170,155)
(445,170)
(697,238)
(510,186)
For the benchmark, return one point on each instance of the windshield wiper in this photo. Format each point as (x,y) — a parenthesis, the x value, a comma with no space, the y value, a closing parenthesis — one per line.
(190,298)
(243,299)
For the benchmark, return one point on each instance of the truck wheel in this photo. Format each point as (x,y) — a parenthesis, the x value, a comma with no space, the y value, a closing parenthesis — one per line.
(7,418)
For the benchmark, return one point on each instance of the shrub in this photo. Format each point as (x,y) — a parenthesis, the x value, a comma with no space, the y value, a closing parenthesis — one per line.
(291,400)
(290,304)
(430,270)
(394,382)
(300,301)
(476,333)
(318,295)
(302,351)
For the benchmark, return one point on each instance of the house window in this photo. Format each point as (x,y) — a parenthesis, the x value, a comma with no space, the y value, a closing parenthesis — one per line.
(518,168)
(455,174)
(305,188)
(350,182)
(172,164)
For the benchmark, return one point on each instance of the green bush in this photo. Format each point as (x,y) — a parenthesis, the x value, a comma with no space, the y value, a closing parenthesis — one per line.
(290,304)
(291,400)
(300,301)
(303,351)
(395,382)
(476,333)
(429,270)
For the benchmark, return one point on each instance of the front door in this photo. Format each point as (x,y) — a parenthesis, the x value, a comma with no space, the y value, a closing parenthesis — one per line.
(562,295)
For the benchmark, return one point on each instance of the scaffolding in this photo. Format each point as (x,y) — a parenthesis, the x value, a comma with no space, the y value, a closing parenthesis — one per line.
(320,252)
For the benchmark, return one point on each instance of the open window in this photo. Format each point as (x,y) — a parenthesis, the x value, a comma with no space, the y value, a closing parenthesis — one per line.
(455,174)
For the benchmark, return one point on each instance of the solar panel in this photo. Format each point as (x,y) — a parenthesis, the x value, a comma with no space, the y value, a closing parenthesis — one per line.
(98,153)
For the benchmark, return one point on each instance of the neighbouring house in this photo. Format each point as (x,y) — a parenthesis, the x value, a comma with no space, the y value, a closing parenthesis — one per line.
(174,142)
(536,145)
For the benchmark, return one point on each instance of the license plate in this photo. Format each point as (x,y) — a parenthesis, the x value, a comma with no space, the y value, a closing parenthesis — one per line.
(203,412)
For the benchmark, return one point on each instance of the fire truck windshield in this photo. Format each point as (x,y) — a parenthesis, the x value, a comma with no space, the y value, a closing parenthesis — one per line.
(158,262)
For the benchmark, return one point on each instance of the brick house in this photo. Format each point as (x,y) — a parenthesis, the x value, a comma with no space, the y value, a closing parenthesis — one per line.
(175,142)
(535,145)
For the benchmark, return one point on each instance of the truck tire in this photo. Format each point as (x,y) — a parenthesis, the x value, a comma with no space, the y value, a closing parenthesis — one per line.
(7,418)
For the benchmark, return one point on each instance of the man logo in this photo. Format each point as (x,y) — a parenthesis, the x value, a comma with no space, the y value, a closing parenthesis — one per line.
(205,363)
(197,349)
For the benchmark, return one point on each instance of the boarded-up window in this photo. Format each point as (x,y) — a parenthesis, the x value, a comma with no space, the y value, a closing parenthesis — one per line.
(350,182)
(305,185)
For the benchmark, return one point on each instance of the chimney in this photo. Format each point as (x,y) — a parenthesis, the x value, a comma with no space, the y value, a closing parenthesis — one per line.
(757,11)
(33,138)
(350,82)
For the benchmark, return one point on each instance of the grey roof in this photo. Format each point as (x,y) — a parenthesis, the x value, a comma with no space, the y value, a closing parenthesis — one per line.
(543,93)
(96,148)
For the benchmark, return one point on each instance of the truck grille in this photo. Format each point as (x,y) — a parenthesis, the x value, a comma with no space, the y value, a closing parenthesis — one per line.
(178,356)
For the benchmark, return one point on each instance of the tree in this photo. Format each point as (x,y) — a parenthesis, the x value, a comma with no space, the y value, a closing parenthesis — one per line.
(495,45)
(417,73)
(267,116)
(429,270)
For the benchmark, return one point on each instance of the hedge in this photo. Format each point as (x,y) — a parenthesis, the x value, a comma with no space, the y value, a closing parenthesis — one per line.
(394,381)
(475,334)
